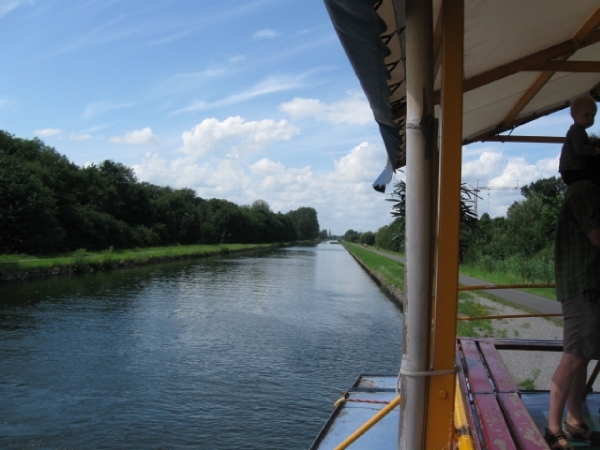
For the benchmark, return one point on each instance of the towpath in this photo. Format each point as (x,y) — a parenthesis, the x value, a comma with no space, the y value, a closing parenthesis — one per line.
(526,300)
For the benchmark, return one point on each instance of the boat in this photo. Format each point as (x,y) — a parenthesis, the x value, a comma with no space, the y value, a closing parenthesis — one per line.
(440,75)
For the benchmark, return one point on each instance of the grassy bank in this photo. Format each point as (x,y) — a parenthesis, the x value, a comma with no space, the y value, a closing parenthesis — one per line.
(392,272)
(497,277)
(27,266)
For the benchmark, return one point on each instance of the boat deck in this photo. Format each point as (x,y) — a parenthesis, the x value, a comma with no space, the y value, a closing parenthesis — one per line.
(500,415)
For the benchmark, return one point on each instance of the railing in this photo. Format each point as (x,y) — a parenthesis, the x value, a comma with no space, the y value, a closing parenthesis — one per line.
(461,424)
(595,372)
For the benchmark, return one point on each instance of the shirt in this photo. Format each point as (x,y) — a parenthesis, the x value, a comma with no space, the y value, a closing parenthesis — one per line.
(576,260)
(576,150)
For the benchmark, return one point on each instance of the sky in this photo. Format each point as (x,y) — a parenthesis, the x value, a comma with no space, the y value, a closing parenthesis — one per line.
(238,100)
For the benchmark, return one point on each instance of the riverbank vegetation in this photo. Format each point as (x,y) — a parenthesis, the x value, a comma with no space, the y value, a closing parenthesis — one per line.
(391,273)
(518,248)
(49,205)
(21,266)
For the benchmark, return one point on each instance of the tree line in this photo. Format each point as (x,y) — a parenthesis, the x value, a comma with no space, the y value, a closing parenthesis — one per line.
(49,205)
(522,242)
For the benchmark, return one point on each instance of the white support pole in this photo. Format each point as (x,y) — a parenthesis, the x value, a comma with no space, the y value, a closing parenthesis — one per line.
(419,142)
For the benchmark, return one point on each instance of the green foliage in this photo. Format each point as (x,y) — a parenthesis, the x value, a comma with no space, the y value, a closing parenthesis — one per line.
(528,384)
(305,223)
(367,238)
(28,212)
(467,306)
(108,258)
(523,241)
(79,260)
(547,188)
(468,218)
(391,237)
(351,236)
(392,272)
(537,269)
(48,204)
(520,245)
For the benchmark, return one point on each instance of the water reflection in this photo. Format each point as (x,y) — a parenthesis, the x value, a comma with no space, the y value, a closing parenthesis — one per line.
(243,352)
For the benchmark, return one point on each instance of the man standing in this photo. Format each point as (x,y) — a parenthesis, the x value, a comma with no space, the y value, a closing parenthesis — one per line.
(577,271)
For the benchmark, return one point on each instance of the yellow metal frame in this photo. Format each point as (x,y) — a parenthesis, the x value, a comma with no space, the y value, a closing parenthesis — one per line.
(369,424)
(463,437)
(441,392)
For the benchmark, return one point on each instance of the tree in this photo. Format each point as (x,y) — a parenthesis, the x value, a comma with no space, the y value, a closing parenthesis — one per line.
(387,237)
(547,188)
(305,222)
(468,218)
(260,205)
(49,204)
(28,214)
(351,236)
(367,238)
(528,228)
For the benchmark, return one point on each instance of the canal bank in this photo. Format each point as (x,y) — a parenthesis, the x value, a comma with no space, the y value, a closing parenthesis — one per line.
(393,292)
(529,369)
(82,262)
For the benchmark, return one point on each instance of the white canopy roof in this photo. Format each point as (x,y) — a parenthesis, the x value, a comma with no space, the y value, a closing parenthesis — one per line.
(522,59)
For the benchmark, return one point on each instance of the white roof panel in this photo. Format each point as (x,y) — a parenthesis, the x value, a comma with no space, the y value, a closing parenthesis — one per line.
(505,41)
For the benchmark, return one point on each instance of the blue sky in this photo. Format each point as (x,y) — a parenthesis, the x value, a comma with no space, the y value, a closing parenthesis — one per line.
(240,100)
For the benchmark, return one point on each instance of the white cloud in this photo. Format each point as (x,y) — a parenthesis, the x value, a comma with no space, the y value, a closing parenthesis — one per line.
(7,6)
(269,85)
(518,172)
(275,178)
(46,132)
(482,167)
(354,109)
(80,136)
(500,178)
(136,137)
(234,135)
(236,58)
(342,195)
(361,165)
(103,107)
(265,34)
(193,80)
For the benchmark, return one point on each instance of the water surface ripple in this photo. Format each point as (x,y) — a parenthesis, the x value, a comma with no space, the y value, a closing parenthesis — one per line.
(245,352)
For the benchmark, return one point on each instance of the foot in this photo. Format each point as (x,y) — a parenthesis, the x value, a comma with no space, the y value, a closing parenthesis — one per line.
(557,441)
(582,433)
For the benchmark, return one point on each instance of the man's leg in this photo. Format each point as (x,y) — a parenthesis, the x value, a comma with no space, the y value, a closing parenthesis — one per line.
(576,397)
(570,368)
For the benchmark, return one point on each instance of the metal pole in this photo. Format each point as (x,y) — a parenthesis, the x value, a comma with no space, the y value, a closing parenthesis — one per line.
(419,138)
(441,389)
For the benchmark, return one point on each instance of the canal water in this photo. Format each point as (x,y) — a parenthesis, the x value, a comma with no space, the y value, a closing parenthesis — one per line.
(246,352)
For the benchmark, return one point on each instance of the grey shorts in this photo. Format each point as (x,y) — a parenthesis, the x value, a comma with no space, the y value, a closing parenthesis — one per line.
(581,332)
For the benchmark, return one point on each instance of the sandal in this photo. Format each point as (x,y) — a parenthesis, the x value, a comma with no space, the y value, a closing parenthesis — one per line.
(554,441)
(582,433)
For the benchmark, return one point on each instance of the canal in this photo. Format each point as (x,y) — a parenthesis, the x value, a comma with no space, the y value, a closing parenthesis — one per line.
(245,352)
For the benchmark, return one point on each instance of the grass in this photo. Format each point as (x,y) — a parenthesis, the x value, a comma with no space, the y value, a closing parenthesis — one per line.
(468,306)
(495,277)
(82,259)
(503,278)
(391,271)
(528,384)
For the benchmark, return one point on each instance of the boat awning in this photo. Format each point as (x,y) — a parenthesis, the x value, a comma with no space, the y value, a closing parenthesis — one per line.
(544,54)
